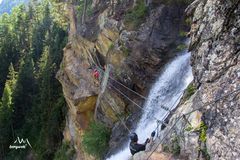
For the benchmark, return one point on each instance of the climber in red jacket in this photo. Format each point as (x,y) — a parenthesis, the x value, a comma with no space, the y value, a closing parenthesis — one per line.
(96,74)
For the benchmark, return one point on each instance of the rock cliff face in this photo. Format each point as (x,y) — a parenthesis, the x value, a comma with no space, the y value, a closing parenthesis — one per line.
(216,66)
(133,57)
(212,131)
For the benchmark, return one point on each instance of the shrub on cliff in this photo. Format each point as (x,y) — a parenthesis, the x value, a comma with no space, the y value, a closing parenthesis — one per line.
(191,89)
(65,152)
(136,16)
(95,139)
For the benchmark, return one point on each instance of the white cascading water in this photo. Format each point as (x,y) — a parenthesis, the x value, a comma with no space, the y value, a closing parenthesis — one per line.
(167,91)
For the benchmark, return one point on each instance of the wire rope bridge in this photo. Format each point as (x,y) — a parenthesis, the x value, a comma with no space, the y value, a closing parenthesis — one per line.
(105,84)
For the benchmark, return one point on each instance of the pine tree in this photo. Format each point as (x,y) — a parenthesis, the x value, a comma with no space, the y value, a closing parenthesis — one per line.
(40,33)
(50,99)
(6,132)
(24,92)
(8,52)
(32,104)
(12,77)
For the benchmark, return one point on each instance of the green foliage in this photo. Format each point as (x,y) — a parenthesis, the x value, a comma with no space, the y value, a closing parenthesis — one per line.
(32,104)
(205,153)
(50,104)
(6,98)
(80,9)
(8,51)
(39,34)
(175,147)
(25,88)
(59,14)
(126,51)
(182,34)
(189,128)
(6,110)
(111,47)
(89,10)
(203,132)
(95,139)
(136,16)
(188,21)
(191,89)
(203,138)
(12,77)
(181,47)
(165,148)
(65,152)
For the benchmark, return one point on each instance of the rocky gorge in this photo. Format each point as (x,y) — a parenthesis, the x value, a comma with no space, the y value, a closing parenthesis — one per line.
(134,50)
(210,129)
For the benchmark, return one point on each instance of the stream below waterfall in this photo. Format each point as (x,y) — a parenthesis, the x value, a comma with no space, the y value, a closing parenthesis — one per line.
(166,91)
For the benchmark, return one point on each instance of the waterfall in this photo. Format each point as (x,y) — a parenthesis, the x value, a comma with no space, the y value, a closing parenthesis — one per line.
(166,91)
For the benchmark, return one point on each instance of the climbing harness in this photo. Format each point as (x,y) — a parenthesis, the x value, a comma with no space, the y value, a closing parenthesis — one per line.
(131,148)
